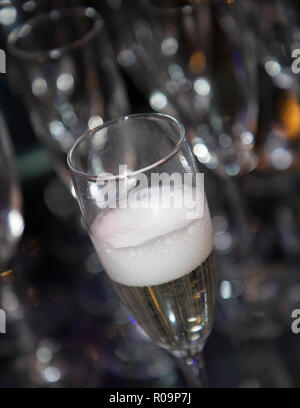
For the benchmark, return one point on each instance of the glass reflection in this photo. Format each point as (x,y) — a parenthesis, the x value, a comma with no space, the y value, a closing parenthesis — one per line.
(70,80)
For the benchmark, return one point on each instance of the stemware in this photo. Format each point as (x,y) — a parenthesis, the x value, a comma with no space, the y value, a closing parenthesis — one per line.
(277,33)
(11,229)
(159,258)
(69,79)
(196,61)
(29,313)
(11,219)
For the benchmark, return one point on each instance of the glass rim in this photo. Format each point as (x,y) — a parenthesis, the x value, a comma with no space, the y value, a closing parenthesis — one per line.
(91,132)
(55,15)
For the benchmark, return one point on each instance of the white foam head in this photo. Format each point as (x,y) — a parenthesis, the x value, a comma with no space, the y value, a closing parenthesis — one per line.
(151,246)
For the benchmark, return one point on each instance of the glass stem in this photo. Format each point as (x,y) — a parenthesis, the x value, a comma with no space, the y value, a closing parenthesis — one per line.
(194,370)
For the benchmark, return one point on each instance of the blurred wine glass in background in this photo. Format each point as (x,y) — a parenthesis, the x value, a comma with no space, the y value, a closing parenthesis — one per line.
(196,60)
(31,313)
(11,219)
(69,81)
(66,75)
(202,61)
(15,12)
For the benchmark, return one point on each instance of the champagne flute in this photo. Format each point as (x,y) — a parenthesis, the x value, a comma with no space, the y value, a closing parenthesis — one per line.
(275,181)
(71,84)
(197,61)
(159,257)
(69,79)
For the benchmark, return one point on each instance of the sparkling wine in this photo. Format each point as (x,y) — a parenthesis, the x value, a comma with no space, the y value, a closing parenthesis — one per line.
(178,314)
(161,264)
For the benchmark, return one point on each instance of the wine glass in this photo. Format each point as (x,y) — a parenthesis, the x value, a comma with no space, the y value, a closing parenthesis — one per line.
(65,72)
(159,257)
(276,27)
(68,77)
(11,219)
